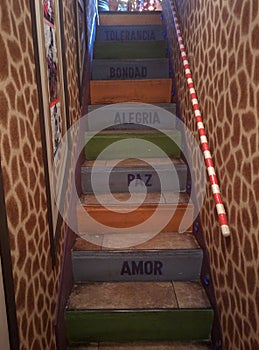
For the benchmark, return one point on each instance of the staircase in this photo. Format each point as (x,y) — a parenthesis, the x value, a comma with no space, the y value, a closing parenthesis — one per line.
(133,287)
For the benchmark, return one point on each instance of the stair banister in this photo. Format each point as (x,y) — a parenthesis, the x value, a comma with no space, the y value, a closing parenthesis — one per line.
(222,216)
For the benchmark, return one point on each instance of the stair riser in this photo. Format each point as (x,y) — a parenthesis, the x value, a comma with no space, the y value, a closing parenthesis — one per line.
(130,18)
(136,117)
(121,220)
(117,91)
(130,69)
(122,326)
(145,177)
(100,142)
(128,33)
(181,265)
(130,49)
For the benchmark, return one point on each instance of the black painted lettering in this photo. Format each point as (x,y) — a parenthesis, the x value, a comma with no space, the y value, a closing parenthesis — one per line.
(131,177)
(148,267)
(148,180)
(124,73)
(137,268)
(145,117)
(158,265)
(139,180)
(106,35)
(117,119)
(156,118)
(152,35)
(131,117)
(138,117)
(112,72)
(125,268)
(143,72)
(112,35)
(131,72)
(145,35)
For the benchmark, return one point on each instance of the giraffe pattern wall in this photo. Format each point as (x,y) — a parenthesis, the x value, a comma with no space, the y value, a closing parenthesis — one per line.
(36,283)
(222,43)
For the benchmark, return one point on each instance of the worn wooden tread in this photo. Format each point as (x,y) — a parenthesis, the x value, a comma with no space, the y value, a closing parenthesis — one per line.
(150,296)
(145,346)
(151,199)
(144,90)
(130,18)
(174,212)
(162,241)
(131,162)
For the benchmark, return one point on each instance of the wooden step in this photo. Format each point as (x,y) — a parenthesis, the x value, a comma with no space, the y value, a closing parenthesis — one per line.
(194,345)
(130,32)
(140,148)
(174,211)
(132,116)
(130,49)
(138,311)
(116,91)
(130,18)
(150,68)
(166,257)
(138,173)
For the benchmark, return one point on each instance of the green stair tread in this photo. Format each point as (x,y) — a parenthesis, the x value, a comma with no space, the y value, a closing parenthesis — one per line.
(168,143)
(130,49)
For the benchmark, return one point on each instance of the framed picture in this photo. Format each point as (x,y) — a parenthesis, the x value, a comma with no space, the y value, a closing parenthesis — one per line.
(81,39)
(47,22)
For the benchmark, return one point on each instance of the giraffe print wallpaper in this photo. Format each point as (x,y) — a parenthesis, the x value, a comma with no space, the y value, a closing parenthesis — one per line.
(222,43)
(35,281)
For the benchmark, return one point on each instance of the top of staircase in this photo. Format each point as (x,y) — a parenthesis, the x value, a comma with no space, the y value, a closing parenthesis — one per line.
(130,18)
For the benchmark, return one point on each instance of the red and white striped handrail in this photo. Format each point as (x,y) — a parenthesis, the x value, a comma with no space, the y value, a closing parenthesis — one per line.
(223,220)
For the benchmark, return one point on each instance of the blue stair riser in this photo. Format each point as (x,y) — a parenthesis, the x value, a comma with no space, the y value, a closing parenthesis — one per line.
(130,33)
(140,178)
(130,69)
(174,265)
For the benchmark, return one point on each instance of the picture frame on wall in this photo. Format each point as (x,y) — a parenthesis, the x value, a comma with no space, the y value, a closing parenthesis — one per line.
(48,37)
(81,41)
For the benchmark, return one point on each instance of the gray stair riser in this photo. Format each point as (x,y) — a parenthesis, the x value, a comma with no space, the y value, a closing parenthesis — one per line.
(134,117)
(130,69)
(130,32)
(177,265)
(120,179)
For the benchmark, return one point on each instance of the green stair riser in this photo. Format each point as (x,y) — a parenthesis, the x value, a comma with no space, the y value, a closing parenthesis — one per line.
(138,325)
(130,49)
(99,142)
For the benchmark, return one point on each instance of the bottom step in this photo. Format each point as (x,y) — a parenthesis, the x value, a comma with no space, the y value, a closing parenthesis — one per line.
(146,346)
(139,311)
